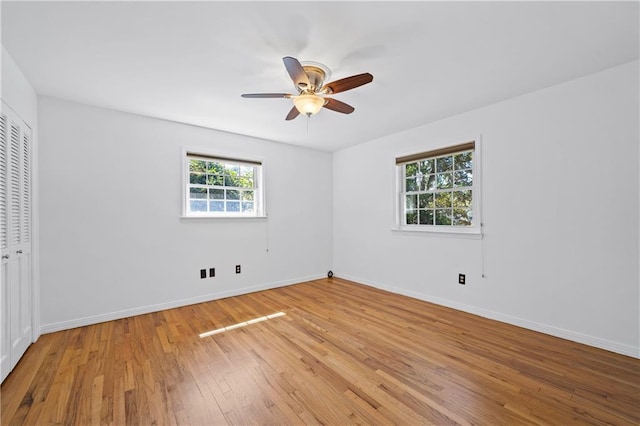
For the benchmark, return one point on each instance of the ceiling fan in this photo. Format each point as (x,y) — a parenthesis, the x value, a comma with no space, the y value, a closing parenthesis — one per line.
(308,78)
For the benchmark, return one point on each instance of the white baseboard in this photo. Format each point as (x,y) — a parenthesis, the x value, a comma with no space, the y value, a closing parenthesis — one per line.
(110,316)
(520,322)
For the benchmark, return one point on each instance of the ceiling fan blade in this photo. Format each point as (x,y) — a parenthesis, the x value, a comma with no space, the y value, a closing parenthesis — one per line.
(347,83)
(295,70)
(266,95)
(293,113)
(338,106)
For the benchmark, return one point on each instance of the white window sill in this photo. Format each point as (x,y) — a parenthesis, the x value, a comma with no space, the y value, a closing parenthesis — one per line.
(221,218)
(472,234)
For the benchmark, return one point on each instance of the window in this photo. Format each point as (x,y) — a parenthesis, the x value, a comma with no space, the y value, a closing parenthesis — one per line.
(437,190)
(223,187)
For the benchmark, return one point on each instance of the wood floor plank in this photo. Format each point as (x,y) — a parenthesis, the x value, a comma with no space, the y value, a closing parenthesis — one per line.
(21,382)
(342,353)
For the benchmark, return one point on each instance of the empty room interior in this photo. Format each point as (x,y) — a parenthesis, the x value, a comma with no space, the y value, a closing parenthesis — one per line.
(339,212)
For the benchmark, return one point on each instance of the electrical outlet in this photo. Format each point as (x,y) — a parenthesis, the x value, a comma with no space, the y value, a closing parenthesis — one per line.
(212,272)
(462,279)
(203,273)
(237,269)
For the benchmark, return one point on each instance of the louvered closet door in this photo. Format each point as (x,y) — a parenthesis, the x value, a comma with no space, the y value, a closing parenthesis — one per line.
(15,239)
(5,336)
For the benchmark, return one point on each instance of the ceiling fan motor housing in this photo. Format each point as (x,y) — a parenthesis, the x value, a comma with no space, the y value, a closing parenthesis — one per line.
(317,73)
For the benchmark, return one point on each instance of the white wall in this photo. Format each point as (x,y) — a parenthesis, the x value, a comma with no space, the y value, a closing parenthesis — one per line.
(17,92)
(19,95)
(560,207)
(112,240)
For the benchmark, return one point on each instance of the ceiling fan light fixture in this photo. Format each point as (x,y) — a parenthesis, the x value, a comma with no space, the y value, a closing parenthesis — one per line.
(308,103)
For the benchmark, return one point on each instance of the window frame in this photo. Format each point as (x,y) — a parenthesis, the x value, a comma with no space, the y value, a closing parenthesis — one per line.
(473,231)
(233,158)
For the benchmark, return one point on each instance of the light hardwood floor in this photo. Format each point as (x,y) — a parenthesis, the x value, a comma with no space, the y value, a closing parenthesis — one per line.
(343,354)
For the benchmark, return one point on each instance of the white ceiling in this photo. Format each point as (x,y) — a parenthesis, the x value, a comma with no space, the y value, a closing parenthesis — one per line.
(190,61)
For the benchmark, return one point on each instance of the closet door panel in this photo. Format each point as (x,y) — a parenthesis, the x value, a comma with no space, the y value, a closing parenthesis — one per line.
(15,240)
(5,312)
(5,323)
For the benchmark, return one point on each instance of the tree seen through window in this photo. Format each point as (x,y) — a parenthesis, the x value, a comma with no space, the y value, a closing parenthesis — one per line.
(220,186)
(439,191)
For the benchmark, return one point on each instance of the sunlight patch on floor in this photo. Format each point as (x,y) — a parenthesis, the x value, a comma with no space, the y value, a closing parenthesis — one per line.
(241,324)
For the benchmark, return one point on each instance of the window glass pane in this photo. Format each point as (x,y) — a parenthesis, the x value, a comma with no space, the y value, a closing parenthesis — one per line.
(232,169)
(445,180)
(444,164)
(233,194)
(428,183)
(233,206)
(462,198)
(216,206)
(425,217)
(412,217)
(463,161)
(246,171)
(244,182)
(215,168)
(198,206)
(198,193)
(198,179)
(410,169)
(411,201)
(425,200)
(462,217)
(247,206)
(443,217)
(215,180)
(426,167)
(197,166)
(463,178)
(411,184)
(216,194)
(231,181)
(247,195)
(443,199)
